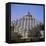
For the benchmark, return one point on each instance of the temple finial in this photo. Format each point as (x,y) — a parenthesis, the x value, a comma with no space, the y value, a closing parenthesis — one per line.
(28,13)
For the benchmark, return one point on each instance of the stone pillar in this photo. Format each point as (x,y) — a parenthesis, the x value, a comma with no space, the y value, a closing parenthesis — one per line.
(15,26)
(20,28)
(22,31)
(34,21)
(30,23)
(26,28)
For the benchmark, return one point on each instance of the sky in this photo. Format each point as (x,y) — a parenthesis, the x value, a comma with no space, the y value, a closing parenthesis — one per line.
(18,11)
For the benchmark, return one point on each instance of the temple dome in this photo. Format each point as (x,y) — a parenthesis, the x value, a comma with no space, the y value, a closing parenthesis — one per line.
(29,14)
